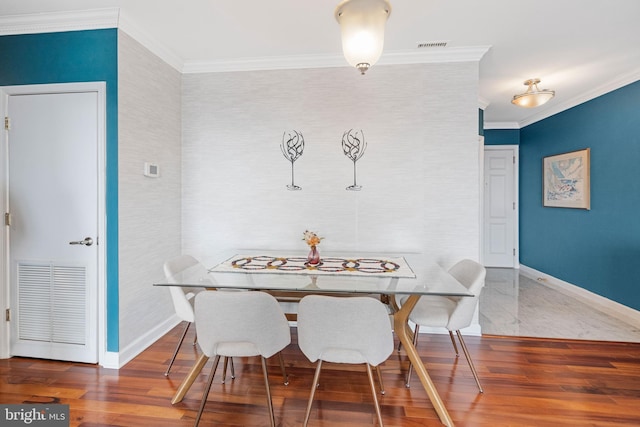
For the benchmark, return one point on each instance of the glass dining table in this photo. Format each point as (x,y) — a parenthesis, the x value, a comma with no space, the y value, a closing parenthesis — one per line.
(385,275)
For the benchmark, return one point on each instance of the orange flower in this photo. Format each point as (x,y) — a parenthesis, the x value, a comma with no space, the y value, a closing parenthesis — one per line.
(311,238)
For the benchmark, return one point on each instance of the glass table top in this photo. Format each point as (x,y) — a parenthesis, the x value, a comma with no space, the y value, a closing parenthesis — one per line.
(415,274)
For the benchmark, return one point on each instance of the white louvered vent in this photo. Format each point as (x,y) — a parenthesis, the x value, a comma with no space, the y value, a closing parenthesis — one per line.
(69,319)
(51,303)
(34,302)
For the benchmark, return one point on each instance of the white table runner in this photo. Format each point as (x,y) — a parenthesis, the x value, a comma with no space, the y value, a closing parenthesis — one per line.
(352,266)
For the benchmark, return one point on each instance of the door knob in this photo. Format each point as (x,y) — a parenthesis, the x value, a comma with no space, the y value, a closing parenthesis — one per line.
(88,241)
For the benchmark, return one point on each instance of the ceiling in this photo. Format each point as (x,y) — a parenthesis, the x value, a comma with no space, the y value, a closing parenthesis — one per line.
(579,48)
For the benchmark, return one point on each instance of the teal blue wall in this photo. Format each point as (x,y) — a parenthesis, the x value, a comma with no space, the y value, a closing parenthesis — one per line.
(502,137)
(599,249)
(78,56)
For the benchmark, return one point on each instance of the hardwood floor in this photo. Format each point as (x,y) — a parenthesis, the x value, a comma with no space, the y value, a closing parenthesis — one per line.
(527,382)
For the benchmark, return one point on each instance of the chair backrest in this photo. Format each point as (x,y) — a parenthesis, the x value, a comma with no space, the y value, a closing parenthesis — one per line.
(240,324)
(179,264)
(181,296)
(472,275)
(344,329)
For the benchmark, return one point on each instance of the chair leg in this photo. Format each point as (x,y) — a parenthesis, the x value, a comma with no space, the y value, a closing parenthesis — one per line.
(375,397)
(175,353)
(416,331)
(224,369)
(316,377)
(205,394)
(453,341)
(266,383)
(466,353)
(380,379)
(284,372)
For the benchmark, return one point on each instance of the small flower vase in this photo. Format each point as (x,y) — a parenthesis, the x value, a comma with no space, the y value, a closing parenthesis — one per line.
(314,256)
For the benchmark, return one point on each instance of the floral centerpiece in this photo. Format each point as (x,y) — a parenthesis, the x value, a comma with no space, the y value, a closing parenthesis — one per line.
(313,240)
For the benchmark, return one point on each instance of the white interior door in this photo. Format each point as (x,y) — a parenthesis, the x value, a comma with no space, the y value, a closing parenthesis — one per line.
(500,208)
(53,201)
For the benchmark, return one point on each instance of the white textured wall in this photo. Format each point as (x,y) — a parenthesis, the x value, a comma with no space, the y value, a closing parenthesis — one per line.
(420,173)
(149,126)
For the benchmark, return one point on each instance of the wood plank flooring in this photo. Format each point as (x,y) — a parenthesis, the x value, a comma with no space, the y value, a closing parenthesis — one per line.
(527,382)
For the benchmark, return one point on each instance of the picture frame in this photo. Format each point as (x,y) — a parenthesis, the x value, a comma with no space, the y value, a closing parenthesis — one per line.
(567,180)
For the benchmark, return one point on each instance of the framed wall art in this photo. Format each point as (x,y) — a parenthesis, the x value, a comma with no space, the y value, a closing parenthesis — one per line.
(566,180)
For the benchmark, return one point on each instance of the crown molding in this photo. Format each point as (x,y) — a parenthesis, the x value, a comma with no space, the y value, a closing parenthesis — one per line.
(469,54)
(434,55)
(264,63)
(59,21)
(153,45)
(501,125)
(92,19)
(483,103)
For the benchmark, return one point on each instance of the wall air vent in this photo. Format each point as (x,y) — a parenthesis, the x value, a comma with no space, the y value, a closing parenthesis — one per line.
(441,43)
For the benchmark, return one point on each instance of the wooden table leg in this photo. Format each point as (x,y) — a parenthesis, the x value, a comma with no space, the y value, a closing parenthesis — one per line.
(189,379)
(404,332)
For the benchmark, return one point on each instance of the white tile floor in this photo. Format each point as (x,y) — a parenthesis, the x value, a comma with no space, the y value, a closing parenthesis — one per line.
(513,304)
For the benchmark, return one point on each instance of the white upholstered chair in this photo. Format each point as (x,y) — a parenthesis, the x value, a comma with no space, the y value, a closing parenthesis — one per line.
(449,312)
(240,324)
(182,297)
(353,330)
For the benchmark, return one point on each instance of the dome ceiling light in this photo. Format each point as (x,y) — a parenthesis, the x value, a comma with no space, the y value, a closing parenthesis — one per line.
(533,97)
(362,25)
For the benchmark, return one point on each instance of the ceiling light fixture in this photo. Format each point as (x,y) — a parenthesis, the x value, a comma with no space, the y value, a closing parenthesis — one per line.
(362,26)
(533,97)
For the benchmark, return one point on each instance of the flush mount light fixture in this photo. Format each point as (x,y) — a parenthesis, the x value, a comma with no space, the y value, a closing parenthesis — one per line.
(533,97)
(362,26)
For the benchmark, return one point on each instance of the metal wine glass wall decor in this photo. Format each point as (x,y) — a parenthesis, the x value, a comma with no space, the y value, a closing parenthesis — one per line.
(292,147)
(353,146)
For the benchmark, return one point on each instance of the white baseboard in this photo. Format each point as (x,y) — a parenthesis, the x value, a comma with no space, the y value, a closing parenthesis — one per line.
(605,305)
(109,360)
(118,360)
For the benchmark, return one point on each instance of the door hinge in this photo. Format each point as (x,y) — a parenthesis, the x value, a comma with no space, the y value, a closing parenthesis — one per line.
(7,219)
(514,160)
(514,206)
(7,123)
(514,251)
(7,315)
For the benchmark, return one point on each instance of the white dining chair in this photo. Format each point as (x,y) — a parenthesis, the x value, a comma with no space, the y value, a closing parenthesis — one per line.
(353,330)
(452,313)
(241,324)
(182,298)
